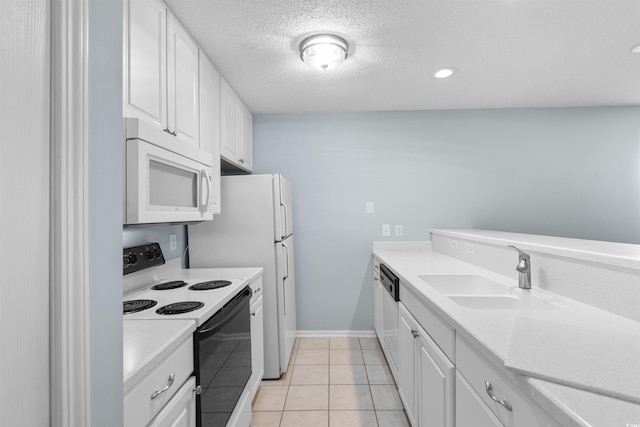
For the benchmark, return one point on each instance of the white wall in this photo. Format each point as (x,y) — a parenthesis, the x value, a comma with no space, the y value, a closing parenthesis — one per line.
(24,213)
(564,172)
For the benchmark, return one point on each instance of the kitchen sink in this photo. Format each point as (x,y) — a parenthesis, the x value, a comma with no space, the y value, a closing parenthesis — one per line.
(501,302)
(464,285)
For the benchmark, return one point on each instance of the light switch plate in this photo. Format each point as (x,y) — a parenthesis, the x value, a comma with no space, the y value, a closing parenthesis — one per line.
(173,242)
(386,230)
(368,207)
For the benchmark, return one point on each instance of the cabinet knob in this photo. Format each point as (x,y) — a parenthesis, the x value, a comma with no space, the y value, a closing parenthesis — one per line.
(489,388)
(415,333)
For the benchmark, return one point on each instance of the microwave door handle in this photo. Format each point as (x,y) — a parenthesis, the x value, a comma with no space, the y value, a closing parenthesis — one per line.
(207,178)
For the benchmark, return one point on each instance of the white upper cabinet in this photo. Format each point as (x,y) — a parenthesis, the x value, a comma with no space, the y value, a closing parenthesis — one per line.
(160,70)
(182,83)
(210,122)
(145,71)
(237,129)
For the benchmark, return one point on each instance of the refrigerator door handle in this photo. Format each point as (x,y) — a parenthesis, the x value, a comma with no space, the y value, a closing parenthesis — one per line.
(285,276)
(285,227)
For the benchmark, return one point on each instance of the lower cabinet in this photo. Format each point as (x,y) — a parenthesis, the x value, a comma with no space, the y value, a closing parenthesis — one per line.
(426,375)
(494,391)
(257,337)
(181,410)
(470,410)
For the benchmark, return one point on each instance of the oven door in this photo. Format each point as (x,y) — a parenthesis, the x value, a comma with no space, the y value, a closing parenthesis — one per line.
(223,361)
(162,186)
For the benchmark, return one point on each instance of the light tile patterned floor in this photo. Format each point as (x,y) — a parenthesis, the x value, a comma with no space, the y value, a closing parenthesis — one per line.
(331,382)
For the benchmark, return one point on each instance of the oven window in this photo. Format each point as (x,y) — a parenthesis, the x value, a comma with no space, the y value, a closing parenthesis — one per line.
(225,364)
(172,186)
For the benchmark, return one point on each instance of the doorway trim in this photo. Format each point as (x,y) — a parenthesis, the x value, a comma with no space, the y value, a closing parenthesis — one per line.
(70,398)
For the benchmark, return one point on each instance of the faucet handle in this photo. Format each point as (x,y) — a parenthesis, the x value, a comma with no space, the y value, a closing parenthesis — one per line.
(523,255)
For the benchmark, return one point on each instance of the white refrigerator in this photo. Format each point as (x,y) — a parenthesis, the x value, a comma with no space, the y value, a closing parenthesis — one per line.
(255,229)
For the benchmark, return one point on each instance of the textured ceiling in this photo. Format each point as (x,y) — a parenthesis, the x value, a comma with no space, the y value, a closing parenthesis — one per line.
(508,53)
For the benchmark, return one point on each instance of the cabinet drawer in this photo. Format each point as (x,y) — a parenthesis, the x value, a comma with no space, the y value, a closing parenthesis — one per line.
(139,407)
(470,409)
(439,330)
(476,370)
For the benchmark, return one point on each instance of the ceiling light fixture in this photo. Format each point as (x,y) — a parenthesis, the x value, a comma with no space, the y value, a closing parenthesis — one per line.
(323,51)
(444,73)
(636,49)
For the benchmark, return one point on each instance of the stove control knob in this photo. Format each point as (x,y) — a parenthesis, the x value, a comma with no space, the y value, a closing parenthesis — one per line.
(131,258)
(148,254)
(157,253)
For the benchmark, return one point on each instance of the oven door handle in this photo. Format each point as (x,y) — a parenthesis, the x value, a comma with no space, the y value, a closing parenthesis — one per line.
(207,330)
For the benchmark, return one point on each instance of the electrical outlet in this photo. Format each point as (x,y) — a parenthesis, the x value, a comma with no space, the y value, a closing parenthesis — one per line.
(368,207)
(386,230)
(470,248)
(398,230)
(173,242)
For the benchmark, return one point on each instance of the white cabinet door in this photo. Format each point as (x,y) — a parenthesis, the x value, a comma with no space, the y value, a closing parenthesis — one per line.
(436,376)
(210,123)
(257,344)
(407,364)
(229,118)
(245,155)
(181,409)
(237,129)
(377,300)
(470,410)
(145,61)
(182,83)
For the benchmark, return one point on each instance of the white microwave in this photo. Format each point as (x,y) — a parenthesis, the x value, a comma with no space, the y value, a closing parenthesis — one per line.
(164,186)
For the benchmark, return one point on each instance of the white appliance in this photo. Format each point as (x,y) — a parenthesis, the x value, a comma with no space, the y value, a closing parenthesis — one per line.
(255,228)
(166,181)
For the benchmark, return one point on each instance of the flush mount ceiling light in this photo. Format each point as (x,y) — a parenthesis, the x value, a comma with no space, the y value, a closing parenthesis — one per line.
(636,49)
(444,73)
(323,51)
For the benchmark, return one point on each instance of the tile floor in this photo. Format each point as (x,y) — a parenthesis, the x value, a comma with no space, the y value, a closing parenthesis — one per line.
(335,382)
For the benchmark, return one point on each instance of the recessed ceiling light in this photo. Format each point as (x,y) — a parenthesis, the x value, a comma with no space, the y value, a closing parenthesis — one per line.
(323,51)
(444,73)
(636,49)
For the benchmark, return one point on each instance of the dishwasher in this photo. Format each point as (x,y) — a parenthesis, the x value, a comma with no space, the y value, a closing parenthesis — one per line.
(390,301)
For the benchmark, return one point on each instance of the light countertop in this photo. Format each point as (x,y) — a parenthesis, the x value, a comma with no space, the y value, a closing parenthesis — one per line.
(146,343)
(491,332)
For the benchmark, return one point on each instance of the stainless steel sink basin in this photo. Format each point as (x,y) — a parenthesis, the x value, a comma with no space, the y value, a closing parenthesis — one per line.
(464,285)
(501,302)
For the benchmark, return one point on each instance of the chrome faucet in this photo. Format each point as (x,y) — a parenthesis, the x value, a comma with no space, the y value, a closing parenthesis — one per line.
(523,268)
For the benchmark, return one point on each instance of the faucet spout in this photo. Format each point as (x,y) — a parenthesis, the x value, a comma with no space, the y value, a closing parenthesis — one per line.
(523,268)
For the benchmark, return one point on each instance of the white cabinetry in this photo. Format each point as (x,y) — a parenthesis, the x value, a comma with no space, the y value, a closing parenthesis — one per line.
(158,389)
(257,337)
(181,410)
(210,123)
(237,129)
(426,375)
(160,70)
(483,380)
(182,83)
(145,71)
(470,410)
(377,298)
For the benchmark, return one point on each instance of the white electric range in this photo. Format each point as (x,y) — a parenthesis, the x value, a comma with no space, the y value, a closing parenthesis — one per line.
(233,280)
(155,290)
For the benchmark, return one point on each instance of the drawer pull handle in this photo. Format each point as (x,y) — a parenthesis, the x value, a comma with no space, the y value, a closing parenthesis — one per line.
(157,393)
(489,388)
(415,333)
(257,290)
(254,314)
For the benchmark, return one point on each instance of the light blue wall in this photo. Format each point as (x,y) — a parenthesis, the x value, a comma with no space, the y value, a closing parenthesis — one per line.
(563,172)
(105,211)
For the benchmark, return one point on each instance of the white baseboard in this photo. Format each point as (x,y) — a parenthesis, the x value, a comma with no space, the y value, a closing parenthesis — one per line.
(347,333)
